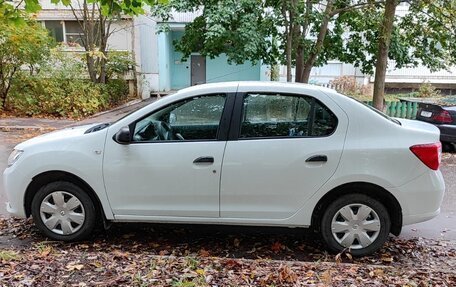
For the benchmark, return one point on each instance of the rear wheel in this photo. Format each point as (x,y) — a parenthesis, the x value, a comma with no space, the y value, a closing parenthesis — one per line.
(63,211)
(357,223)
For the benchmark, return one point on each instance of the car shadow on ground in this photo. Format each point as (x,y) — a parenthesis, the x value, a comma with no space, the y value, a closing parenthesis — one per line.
(223,242)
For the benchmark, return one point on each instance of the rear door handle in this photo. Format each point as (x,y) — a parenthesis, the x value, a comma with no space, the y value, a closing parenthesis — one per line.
(317,158)
(204,159)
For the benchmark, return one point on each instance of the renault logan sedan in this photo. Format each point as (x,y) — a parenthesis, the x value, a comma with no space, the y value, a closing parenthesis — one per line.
(247,153)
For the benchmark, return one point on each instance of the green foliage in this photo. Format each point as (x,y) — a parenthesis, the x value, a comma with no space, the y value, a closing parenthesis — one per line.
(23,46)
(61,89)
(427,90)
(238,28)
(7,255)
(57,97)
(431,30)
(115,91)
(10,10)
(118,63)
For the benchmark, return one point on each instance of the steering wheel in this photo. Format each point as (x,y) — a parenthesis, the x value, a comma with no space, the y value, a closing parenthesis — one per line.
(162,130)
(165,132)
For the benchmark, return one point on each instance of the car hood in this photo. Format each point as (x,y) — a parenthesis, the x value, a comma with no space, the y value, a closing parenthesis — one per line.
(65,134)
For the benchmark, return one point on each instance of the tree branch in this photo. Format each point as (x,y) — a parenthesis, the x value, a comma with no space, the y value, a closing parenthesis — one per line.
(354,6)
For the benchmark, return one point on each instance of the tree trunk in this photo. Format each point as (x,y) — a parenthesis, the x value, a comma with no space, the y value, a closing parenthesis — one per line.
(384,39)
(309,63)
(91,68)
(288,32)
(3,96)
(299,63)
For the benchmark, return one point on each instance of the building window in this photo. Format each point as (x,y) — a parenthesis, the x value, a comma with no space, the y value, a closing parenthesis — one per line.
(73,32)
(55,29)
(69,32)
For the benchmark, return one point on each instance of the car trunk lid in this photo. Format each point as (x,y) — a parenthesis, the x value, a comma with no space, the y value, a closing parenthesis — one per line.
(433,114)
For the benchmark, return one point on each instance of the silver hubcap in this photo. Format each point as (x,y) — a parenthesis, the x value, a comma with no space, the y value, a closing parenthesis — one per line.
(355,226)
(62,213)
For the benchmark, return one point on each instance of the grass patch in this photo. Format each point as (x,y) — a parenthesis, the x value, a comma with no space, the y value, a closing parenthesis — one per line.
(7,255)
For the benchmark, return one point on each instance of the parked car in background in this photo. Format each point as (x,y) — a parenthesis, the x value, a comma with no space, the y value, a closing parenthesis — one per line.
(443,117)
(238,153)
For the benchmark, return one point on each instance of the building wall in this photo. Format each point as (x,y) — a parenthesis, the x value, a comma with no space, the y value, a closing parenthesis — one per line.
(244,72)
(164,58)
(179,71)
(146,55)
(329,72)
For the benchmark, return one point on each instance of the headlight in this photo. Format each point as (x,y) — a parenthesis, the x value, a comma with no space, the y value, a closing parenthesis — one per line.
(14,156)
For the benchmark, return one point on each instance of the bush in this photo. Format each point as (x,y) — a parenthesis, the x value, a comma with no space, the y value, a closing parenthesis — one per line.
(347,85)
(59,89)
(22,46)
(427,90)
(115,91)
(33,96)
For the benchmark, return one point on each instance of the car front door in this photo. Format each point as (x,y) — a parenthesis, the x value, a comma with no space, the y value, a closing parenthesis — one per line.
(287,147)
(172,165)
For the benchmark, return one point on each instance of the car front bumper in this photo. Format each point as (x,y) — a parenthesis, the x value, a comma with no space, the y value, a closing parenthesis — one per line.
(14,186)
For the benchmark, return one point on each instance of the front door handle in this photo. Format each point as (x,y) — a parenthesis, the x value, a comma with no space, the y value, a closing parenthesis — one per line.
(204,159)
(317,158)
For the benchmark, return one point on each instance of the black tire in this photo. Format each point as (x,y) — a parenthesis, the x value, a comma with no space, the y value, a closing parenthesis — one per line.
(353,199)
(89,222)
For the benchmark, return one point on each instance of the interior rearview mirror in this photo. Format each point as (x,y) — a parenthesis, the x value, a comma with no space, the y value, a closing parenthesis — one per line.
(123,136)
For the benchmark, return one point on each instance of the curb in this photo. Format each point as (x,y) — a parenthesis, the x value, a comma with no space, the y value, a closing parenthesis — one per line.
(25,128)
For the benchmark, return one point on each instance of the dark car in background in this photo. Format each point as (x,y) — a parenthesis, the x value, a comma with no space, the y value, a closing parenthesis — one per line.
(443,117)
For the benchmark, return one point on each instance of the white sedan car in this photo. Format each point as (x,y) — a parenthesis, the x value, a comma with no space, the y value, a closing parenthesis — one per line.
(238,153)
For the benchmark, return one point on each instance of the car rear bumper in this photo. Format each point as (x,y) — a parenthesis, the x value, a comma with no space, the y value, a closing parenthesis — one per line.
(421,198)
(447,133)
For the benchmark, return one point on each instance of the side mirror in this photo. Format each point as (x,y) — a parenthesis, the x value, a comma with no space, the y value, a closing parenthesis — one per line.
(123,136)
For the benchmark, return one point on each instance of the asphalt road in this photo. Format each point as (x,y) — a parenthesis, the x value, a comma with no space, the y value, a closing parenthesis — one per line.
(441,227)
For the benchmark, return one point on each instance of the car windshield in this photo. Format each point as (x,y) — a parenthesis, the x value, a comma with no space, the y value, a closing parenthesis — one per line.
(377,111)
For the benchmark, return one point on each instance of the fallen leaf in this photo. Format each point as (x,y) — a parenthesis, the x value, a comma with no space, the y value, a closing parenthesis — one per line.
(72,266)
(276,246)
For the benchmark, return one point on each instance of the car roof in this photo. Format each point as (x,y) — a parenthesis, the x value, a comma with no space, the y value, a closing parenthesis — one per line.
(258,85)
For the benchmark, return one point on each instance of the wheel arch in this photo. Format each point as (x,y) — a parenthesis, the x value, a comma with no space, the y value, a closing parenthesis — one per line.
(47,177)
(377,192)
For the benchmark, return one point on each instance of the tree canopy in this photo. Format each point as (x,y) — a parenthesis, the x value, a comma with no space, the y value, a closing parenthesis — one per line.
(14,10)
(304,34)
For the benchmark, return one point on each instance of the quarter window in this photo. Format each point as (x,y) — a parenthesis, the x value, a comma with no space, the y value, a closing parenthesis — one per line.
(194,119)
(278,115)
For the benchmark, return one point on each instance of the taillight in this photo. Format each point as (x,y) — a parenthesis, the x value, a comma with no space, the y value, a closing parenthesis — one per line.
(429,154)
(443,117)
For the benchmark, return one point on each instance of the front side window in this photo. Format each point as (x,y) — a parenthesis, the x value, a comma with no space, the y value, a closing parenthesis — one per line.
(277,115)
(195,119)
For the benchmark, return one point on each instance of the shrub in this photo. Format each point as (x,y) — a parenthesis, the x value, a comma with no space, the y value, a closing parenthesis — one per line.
(60,89)
(118,63)
(24,45)
(115,91)
(427,90)
(33,96)
(347,85)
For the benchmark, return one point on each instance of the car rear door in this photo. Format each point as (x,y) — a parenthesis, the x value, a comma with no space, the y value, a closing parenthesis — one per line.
(283,148)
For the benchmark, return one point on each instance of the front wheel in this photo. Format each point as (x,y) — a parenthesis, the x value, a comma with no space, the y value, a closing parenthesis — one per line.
(357,223)
(63,211)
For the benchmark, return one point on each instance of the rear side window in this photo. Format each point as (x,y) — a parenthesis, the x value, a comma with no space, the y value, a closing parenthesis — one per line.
(282,115)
